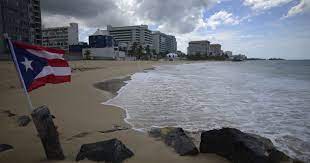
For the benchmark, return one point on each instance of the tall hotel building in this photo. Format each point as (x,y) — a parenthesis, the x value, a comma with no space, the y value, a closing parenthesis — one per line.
(163,43)
(21,20)
(35,22)
(139,34)
(61,37)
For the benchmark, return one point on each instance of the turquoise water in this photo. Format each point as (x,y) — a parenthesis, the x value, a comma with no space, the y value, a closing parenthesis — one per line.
(269,98)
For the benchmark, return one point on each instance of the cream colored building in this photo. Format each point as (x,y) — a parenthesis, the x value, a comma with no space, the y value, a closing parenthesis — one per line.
(198,47)
(61,37)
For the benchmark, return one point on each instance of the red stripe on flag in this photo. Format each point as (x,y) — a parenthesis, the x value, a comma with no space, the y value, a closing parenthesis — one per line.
(48,79)
(58,63)
(35,47)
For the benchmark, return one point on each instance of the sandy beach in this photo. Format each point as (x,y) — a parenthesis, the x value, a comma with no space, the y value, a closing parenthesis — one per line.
(80,116)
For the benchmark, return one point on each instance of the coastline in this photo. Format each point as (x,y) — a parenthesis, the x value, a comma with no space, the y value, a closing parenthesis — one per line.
(80,115)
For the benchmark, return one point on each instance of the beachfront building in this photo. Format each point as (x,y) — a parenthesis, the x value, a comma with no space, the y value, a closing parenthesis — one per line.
(139,34)
(103,46)
(163,43)
(198,47)
(21,20)
(75,51)
(215,50)
(61,37)
(229,54)
(35,22)
(101,39)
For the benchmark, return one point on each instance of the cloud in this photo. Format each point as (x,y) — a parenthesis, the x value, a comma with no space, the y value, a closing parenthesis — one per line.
(301,7)
(222,17)
(92,13)
(264,4)
(179,16)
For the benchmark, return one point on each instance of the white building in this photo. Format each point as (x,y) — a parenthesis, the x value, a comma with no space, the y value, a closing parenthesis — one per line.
(61,37)
(130,34)
(198,47)
(104,53)
(229,53)
(163,43)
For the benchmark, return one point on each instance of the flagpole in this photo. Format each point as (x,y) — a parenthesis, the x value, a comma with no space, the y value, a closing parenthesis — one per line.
(13,55)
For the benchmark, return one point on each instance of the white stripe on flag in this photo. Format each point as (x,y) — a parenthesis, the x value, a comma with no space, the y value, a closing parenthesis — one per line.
(57,71)
(45,54)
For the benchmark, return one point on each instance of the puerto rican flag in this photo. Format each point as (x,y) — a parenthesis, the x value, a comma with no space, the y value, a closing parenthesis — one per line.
(40,65)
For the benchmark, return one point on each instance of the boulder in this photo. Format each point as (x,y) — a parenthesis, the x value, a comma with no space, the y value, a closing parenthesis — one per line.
(241,147)
(176,138)
(110,151)
(4,147)
(23,120)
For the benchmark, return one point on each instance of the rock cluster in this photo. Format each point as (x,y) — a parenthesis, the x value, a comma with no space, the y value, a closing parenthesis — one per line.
(241,147)
(109,151)
(176,138)
(4,147)
(230,143)
(23,121)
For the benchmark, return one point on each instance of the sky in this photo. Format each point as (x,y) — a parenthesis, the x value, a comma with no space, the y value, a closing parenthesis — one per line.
(256,28)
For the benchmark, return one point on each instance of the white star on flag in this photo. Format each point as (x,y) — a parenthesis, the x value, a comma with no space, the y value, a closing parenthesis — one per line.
(27,64)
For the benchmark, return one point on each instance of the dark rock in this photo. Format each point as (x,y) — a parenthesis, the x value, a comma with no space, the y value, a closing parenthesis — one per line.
(23,120)
(110,151)
(155,132)
(4,147)
(176,138)
(241,147)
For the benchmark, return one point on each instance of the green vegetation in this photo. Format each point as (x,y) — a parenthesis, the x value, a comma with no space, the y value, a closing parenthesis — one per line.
(87,54)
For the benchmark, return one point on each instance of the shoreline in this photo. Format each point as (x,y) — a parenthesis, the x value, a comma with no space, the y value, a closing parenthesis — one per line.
(80,116)
(115,85)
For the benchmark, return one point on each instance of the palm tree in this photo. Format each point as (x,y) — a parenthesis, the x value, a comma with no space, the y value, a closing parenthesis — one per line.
(140,51)
(133,49)
(87,54)
(154,53)
(148,52)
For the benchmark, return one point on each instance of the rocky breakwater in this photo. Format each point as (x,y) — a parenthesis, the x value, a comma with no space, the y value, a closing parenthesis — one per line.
(241,147)
(230,143)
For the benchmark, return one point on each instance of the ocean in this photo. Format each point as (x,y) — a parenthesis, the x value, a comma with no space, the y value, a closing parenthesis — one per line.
(268,98)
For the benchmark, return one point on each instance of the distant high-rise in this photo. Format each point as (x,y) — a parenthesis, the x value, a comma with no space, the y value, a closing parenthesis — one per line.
(199,47)
(21,20)
(61,37)
(128,35)
(36,23)
(163,43)
(15,19)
